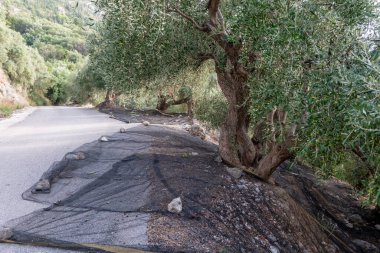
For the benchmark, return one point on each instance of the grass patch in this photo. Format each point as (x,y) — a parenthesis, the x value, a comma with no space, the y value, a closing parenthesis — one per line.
(7,108)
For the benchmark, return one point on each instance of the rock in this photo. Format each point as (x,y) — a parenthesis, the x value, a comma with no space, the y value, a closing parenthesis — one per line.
(104,139)
(356,219)
(175,206)
(194,153)
(272,238)
(81,156)
(146,123)
(71,156)
(42,186)
(377,226)
(235,172)
(272,181)
(274,249)
(242,187)
(366,246)
(9,92)
(349,225)
(218,159)
(123,130)
(75,156)
(197,130)
(5,233)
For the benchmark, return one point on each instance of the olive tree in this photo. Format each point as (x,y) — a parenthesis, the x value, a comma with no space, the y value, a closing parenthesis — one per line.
(277,64)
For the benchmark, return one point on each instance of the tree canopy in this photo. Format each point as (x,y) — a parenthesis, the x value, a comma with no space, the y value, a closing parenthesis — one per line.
(310,62)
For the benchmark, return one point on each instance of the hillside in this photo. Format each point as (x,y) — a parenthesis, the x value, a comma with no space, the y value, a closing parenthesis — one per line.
(43,43)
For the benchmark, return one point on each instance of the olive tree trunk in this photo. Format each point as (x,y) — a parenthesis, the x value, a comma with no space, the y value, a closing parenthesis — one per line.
(109,100)
(163,103)
(235,146)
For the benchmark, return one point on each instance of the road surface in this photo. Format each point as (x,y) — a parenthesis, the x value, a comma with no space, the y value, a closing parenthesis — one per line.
(30,142)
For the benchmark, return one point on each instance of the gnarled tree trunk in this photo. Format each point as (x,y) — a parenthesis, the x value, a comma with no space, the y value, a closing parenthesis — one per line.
(163,103)
(109,100)
(235,146)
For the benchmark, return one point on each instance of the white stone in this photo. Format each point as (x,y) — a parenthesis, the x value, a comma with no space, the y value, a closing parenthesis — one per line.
(104,139)
(218,159)
(75,156)
(146,123)
(81,156)
(43,185)
(123,130)
(5,233)
(234,172)
(274,249)
(175,206)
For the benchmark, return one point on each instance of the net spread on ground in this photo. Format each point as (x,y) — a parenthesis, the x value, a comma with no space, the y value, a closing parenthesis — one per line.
(116,194)
(106,191)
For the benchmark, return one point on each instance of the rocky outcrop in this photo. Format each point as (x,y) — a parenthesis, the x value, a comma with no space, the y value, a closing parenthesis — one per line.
(10,94)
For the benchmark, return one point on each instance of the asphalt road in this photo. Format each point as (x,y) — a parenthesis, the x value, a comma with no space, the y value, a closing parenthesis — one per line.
(31,141)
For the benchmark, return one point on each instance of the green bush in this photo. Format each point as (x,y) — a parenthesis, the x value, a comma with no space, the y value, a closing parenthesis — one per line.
(211,109)
(37,97)
(21,63)
(6,109)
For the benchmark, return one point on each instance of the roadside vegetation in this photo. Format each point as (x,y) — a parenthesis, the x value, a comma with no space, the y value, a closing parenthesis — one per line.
(281,79)
(42,44)
(6,109)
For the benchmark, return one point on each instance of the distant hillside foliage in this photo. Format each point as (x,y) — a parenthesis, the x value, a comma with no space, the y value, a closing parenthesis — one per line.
(42,44)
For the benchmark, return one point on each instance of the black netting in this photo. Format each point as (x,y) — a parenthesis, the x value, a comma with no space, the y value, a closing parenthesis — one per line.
(112,194)
(105,192)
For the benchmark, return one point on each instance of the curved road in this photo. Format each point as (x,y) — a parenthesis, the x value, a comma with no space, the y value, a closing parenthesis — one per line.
(31,141)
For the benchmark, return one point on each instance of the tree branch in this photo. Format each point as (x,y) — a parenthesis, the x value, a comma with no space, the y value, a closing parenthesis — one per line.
(202,57)
(165,114)
(222,22)
(188,18)
(213,8)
